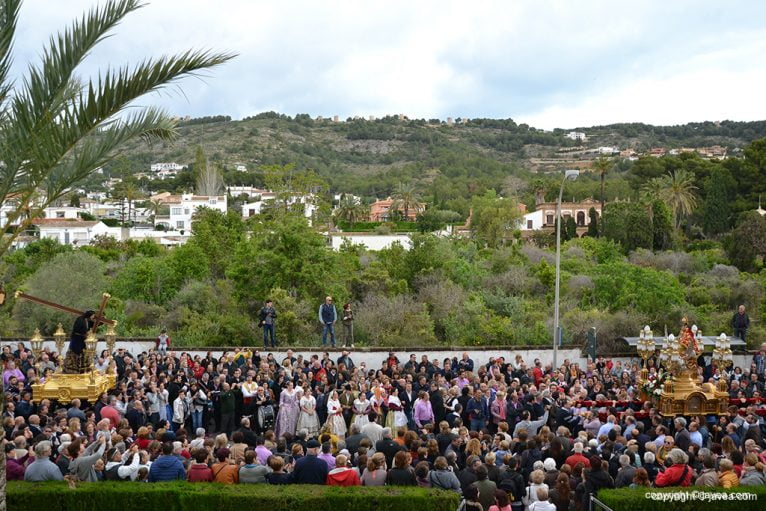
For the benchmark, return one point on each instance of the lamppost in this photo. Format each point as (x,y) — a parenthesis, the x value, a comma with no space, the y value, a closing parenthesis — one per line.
(58,337)
(37,349)
(570,174)
(723,358)
(645,348)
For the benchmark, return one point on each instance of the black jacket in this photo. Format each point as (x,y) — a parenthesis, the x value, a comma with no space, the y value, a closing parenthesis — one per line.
(389,448)
(310,470)
(401,477)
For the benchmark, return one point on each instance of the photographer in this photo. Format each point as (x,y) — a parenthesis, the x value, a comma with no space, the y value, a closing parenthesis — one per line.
(266,317)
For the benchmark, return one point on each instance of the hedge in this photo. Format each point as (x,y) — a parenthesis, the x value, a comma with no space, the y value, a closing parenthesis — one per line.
(183,496)
(635,499)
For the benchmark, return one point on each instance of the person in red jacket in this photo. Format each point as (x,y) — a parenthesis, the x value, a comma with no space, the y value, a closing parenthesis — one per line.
(678,474)
(342,475)
(199,472)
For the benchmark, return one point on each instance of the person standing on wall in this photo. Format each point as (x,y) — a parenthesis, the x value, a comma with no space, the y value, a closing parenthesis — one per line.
(266,317)
(740,323)
(328,315)
(348,325)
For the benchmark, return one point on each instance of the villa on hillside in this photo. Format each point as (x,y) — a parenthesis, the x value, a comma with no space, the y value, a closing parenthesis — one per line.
(380,211)
(544,215)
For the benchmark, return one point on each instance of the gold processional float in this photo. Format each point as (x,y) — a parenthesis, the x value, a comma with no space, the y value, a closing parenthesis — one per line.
(679,390)
(62,386)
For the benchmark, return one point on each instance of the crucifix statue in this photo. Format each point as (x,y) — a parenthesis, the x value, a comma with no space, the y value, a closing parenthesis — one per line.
(85,325)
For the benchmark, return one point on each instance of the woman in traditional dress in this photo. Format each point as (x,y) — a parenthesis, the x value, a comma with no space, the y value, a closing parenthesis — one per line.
(377,401)
(396,418)
(335,420)
(287,418)
(362,408)
(308,419)
(249,389)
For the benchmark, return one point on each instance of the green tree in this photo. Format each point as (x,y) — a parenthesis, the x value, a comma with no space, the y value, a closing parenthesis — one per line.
(75,279)
(677,189)
(602,165)
(747,241)
(716,210)
(56,129)
(351,211)
(493,218)
(593,231)
(217,234)
(286,254)
(628,224)
(405,198)
(662,226)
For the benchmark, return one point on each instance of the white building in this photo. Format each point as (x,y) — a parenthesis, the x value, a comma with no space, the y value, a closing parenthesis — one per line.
(257,207)
(532,221)
(609,151)
(73,232)
(64,212)
(250,191)
(371,241)
(173,166)
(180,218)
(240,168)
(576,135)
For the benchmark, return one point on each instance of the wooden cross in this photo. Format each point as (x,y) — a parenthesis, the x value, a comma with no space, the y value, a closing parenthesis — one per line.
(98,319)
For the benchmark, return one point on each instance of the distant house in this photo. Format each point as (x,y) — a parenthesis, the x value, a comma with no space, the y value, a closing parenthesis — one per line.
(64,212)
(182,208)
(267,199)
(544,215)
(71,232)
(173,166)
(380,210)
(576,135)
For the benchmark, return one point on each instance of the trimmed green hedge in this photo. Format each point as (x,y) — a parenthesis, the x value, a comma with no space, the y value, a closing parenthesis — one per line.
(182,496)
(636,499)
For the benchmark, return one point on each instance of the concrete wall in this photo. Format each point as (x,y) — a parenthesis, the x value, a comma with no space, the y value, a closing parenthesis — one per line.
(372,241)
(374,357)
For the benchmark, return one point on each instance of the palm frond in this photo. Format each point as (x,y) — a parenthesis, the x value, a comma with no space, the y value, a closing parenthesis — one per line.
(9,16)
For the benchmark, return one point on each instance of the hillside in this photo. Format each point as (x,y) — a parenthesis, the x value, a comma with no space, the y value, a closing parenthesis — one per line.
(447,163)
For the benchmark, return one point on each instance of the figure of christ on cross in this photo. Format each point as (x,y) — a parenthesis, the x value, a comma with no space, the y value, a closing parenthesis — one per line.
(87,322)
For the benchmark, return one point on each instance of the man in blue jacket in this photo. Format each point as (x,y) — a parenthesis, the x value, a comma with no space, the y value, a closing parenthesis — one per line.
(310,469)
(328,315)
(167,467)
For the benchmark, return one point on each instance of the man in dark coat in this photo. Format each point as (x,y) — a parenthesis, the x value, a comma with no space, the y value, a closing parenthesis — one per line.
(310,469)
(740,322)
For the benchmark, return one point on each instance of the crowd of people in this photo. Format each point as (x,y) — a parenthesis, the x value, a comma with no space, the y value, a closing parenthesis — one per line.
(505,434)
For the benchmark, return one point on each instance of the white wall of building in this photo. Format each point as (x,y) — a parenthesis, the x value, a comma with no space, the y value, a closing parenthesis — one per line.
(532,221)
(181,213)
(371,241)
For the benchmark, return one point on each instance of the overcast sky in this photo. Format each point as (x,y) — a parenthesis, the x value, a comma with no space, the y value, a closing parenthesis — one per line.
(547,63)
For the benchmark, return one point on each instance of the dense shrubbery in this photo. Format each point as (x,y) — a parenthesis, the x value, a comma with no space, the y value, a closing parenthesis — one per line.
(441,292)
(183,496)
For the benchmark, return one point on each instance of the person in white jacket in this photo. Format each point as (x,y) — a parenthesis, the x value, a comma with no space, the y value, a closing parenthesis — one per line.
(181,409)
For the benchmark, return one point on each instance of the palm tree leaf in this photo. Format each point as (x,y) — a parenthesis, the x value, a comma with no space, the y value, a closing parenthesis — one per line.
(9,16)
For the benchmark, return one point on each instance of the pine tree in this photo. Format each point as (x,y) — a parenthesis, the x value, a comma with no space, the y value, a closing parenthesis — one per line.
(716,214)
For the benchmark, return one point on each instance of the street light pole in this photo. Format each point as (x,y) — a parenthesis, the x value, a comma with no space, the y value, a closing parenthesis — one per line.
(572,175)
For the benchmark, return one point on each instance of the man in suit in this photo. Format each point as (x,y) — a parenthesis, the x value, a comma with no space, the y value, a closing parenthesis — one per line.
(408,397)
